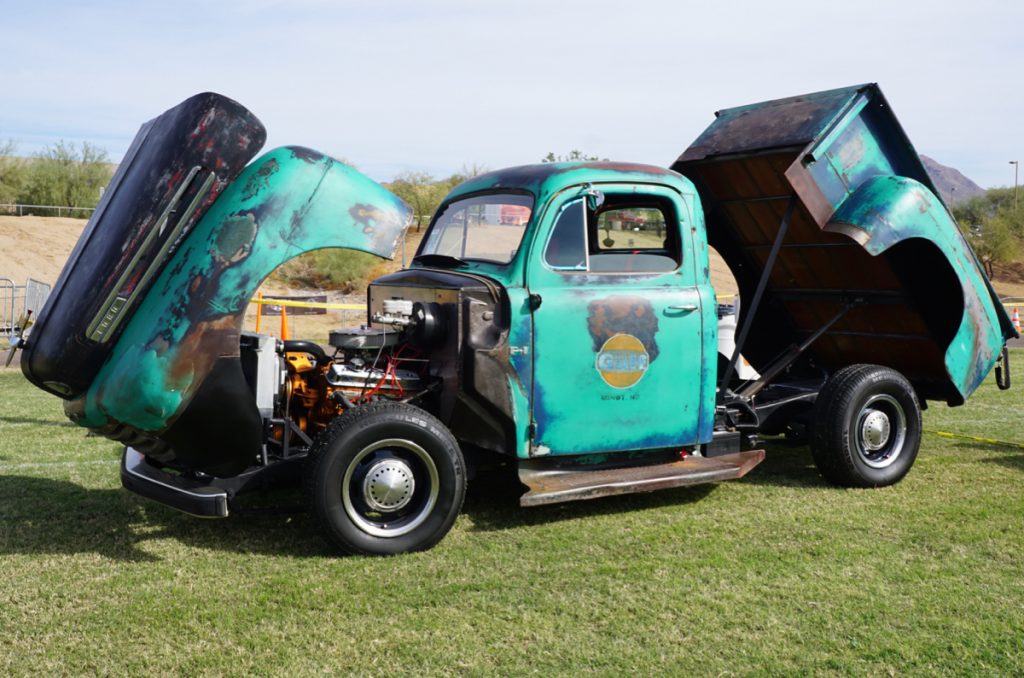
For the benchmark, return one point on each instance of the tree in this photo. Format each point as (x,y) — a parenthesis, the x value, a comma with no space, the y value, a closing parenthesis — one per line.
(471,170)
(994,242)
(421,192)
(994,225)
(573,156)
(65,176)
(12,173)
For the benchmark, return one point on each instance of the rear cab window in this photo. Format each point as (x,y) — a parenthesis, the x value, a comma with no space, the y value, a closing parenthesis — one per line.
(626,234)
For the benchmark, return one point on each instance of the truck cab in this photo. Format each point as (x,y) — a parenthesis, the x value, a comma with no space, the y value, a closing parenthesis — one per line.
(606,303)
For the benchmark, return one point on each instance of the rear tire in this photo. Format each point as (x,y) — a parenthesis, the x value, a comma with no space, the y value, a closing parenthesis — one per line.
(385,478)
(867,427)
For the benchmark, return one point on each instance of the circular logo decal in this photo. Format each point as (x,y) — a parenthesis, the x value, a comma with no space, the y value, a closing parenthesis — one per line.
(622,361)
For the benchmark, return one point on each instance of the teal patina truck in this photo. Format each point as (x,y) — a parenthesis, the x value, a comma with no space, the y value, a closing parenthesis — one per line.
(559,317)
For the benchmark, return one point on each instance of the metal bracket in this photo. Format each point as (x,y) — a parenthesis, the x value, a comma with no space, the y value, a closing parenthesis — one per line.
(755,303)
(794,352)
(1003,369)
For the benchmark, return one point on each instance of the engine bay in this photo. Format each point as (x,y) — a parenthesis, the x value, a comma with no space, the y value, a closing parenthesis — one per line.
(301,386)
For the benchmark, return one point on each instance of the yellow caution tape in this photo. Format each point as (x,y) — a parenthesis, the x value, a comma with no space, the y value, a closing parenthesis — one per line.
(267,301)
(358,307)
(990,441)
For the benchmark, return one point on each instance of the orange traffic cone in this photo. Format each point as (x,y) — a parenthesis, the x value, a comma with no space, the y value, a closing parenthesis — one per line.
(284,324)
(1016,319)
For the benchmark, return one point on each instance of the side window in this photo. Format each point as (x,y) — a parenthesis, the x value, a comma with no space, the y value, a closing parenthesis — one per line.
(567,246)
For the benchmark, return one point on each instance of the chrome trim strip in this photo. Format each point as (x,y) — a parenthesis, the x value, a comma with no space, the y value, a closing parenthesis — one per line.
(112,310)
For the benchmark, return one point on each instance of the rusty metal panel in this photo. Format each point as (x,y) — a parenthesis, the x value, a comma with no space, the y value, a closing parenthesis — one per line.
(555,485)
(790,122)
(177,166)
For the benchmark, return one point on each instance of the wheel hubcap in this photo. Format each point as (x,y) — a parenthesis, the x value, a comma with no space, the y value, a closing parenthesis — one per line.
(875,430)
(389,485)
(881,430)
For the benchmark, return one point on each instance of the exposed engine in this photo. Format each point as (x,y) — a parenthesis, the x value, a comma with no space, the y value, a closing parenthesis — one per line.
(299,386)
(434,338)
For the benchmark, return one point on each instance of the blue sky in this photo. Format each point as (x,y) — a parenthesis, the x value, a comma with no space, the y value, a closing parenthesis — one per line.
(431,86)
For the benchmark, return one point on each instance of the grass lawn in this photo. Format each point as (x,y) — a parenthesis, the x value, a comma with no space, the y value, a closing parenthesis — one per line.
(775,574)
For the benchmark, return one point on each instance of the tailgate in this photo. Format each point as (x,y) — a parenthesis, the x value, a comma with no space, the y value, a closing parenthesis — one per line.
(867,231)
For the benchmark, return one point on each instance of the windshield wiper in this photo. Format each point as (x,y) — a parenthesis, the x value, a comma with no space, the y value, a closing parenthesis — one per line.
(438,260)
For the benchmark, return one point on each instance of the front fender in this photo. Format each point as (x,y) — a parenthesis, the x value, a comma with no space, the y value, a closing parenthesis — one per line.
(175,372)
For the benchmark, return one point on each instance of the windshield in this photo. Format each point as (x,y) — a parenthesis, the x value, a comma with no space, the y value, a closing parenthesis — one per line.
(484,228)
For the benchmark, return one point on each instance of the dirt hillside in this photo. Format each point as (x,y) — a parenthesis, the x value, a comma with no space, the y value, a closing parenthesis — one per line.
(36,247)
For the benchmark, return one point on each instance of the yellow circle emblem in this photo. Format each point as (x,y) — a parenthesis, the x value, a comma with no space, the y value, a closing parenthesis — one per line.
(622,361)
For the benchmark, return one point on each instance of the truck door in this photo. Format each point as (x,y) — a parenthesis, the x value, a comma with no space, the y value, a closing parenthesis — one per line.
(619,337)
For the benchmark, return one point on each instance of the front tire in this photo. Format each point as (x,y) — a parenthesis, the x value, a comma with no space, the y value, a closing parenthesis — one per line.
(385,478)
(867,427)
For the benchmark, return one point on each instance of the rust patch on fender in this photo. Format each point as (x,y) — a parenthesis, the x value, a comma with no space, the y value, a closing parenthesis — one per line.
(260,180)
(234,239)
(205,341)
(981,354)
(306,154)
(366,216)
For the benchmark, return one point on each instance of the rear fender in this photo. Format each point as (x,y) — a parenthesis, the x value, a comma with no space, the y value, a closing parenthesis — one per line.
(887,211)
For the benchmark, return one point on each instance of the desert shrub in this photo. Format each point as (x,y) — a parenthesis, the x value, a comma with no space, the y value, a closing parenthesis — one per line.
(328,269)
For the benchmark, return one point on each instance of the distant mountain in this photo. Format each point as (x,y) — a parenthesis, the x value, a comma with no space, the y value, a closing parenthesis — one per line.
(953,186)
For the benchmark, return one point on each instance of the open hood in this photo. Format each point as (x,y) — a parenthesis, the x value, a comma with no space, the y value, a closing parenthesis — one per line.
(161,361)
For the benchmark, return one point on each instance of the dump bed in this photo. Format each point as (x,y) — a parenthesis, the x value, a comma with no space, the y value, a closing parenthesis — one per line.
(867,233)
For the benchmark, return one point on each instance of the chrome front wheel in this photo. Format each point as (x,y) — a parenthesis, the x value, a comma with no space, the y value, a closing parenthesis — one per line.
(390,487)
(385,478)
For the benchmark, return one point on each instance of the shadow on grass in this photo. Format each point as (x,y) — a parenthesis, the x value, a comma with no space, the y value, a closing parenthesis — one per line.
(34,422)
(492,501)
(786,465)
(43,516)
(1013,461)
(493,498)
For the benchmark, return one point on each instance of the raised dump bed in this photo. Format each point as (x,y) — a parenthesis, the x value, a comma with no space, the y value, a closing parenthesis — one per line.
(833,183)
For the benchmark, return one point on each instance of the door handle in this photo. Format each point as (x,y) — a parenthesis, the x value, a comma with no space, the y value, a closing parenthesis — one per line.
(684,307)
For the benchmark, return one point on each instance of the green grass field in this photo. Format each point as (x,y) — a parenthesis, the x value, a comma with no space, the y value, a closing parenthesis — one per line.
(774,574)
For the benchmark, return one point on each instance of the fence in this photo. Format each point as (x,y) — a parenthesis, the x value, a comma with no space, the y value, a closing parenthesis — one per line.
(45,210)
(17,300)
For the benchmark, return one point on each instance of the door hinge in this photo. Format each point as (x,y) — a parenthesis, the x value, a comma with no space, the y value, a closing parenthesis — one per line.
(531,430)
(534,301)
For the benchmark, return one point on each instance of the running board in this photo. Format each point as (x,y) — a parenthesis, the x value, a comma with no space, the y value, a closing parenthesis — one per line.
(189,496)
(552,486)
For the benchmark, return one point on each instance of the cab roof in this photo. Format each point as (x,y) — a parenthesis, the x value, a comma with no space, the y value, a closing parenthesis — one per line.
(546,179)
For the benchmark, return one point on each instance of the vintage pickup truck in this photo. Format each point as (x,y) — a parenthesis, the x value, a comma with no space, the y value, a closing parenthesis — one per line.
(557,316)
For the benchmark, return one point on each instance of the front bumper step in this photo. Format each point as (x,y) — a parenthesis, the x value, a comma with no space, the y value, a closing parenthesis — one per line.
(555,485)
(184,494)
